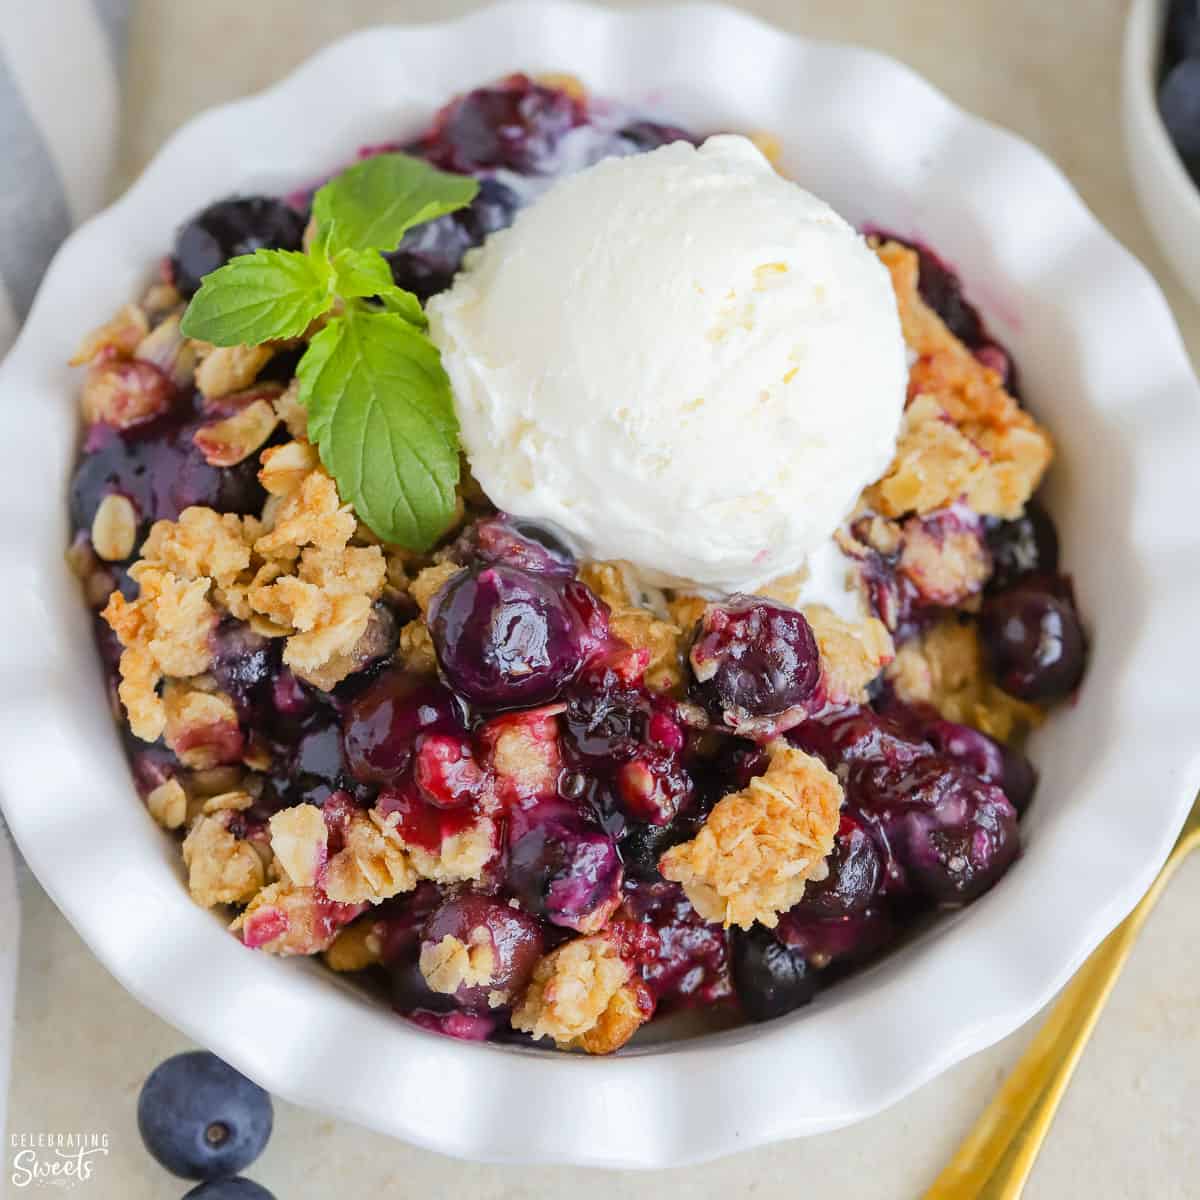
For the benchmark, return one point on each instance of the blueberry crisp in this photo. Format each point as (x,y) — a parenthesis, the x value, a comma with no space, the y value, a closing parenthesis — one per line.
(540,717)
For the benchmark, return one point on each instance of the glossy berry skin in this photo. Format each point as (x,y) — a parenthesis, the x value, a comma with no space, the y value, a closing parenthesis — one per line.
(563,868)
(528,545)
(513,937)
(229,1189)
(383,726)
(1034,640)
(942,831)
(1179,103)
(229,228)
(769,978)
(201,1119)
(158,466)
(753,658)
(515,123)
(854,875)
(1025,546)
(505,638)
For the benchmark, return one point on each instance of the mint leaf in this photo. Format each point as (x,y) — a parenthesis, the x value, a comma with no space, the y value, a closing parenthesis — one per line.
(404,304)
(371,205)
(380,411)
(361,273)
(258,297)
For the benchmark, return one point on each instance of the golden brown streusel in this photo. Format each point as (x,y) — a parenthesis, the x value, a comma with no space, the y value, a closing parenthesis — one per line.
(284,468)
(626,1013)
(416,648)
(451,964)
(372,865)
(429,582)
(232,440)
(758,846)
(200,727)
(118,337)
(637,626)
(947,565)
(999,454)
(686,612)
(291,412)
(114,528)
(164,632)
(299,837)
(222,869)
(236,801)
(310,514)
(201,544)
(296,911)
(377,639)
(227,369)
(168,804)
(945,667)
(852,655)
(356,947)
(571,990)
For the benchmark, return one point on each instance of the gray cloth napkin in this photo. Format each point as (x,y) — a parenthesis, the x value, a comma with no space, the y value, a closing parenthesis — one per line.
(60,66)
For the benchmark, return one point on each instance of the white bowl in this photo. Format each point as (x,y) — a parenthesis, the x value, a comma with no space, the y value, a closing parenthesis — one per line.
(1170,201)
(1101,362)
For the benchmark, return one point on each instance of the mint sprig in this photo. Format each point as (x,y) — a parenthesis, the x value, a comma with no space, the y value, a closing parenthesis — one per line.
(379,403)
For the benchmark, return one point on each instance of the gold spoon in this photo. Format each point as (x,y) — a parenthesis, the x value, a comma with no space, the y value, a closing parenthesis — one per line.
(996,1157)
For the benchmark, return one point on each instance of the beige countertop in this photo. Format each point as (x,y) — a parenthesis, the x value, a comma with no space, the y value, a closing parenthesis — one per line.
(1130,1126)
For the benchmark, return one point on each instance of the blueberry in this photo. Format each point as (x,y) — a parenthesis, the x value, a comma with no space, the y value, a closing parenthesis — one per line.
(1179,103)
(854,874)
(1034,640)
(519,543)
(769,978)
(506,638)
(753,657)
(201,1119)
(1025,546)
(229,228)
(229,1189)
(649,135)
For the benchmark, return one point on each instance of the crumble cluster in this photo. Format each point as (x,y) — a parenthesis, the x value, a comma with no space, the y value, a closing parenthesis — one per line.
(759,846)
(584,996)
(963,437)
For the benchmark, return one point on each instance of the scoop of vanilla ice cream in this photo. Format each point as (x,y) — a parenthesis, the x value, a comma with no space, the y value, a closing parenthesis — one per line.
(681,359)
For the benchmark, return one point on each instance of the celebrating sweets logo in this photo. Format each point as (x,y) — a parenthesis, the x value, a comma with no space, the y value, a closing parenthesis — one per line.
(60,1160)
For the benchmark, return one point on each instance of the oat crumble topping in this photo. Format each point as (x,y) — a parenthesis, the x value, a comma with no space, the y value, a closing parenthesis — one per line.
(852,655)
(451,964)
(222,869)
(759,846)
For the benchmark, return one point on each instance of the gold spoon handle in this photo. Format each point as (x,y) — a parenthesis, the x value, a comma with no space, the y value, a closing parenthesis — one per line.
(996,1157)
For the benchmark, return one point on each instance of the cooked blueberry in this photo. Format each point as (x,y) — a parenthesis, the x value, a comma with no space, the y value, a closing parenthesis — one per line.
(769,979)
(244,665)
(1018,779)
(642,845)
(516,123)
(202,1119)
(753,657)
(825,941)
(229,228)
(445,771)
(491,955)
(941,289)
(229,1189)
(429,255)
(564,869)
(505,638)
(1025,546)
(1034,640)
(382,725)
(941,830)
(158,466)
(981,754)
(519,543)
(854,874)
(649,135)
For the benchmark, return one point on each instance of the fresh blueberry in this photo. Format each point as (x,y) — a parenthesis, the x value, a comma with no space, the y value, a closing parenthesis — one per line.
(769,978)
(1034,640)
(229,1189)
(229,228)
(1025,546)
(201,1119)
(1179,103)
